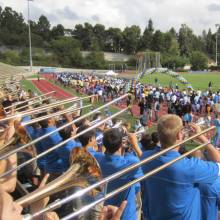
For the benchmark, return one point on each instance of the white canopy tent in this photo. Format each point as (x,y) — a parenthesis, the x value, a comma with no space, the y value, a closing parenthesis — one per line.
(111,73)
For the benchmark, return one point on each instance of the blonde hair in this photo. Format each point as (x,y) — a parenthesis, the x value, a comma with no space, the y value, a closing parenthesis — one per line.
(168,126)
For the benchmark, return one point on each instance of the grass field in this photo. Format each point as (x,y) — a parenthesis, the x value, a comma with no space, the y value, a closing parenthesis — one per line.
(26,84)
(197,80)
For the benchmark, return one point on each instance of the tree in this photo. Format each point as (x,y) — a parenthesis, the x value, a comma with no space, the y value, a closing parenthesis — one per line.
(36,40)
(95,60)
(167,41)
(173,33)
(12,57)
(157,41)
(84,34)
(150,26)
(57,31)
(0,14)
(43,28)
(185,40)
(114,40)
(131,36)
(197,44)
(99,36)
(146,40)
(78,32)
(173,61)
(67,52)
(199,61)
(11,27)
(210,44)
(174,48)
(11,21)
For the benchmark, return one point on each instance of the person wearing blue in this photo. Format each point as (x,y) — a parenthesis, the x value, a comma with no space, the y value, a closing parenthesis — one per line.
(50,163)
(187,118)
(173,193)
(64,152)
(210,200)
(113,161)
(88,141)
(217,135)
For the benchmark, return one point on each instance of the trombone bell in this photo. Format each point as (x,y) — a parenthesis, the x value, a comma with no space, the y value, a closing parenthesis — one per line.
(83,172)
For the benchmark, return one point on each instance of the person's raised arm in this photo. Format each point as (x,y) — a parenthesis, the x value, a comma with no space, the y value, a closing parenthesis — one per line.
(134,142)
(213,153)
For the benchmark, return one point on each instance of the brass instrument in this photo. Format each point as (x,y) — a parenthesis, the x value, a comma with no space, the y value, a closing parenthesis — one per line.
(106,180)
(35,120)
(32,103)
(31,99)
(84,168)
(43,108)
(58,145)
(64,126)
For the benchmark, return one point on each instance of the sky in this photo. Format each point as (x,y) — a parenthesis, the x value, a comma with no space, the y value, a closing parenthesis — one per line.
(198,14)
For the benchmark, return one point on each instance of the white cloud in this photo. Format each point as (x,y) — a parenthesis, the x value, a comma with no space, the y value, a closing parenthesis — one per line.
(198,14)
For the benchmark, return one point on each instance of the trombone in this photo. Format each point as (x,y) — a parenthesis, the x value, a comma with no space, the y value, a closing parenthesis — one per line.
(40,109)
(34,196)
(122,188)
(28,199)
(36,97)
(66,111)
(62,143)
(33,103)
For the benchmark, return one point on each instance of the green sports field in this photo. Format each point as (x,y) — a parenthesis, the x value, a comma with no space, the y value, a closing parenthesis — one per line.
(197,80)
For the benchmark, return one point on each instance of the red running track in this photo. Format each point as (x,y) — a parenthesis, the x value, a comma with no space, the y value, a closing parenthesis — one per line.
(45,87)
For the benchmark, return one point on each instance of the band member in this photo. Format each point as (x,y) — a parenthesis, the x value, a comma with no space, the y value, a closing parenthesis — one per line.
(217,135)
(88,141)
(114,161)
(173,191)
(65,151)
(210,197)
(50,163)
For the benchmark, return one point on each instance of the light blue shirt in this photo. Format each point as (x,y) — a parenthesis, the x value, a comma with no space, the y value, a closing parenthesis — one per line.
(210,200)
(65,151)
(173,192)
(111,164)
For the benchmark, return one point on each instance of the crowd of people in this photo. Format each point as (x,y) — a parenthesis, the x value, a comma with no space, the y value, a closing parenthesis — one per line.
(188,189)
(152,100)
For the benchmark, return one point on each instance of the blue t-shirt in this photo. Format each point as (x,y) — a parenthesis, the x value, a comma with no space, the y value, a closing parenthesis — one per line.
(51,162)
(187,117)
(64,152)
(111,164)
(98,155)
(210,200)
(173,193)
(26,118)
(217,124)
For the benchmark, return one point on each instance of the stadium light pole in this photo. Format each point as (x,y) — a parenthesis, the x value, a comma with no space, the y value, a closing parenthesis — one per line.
(217,27)
(29,30)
